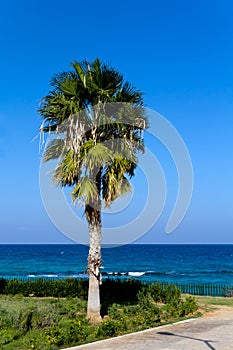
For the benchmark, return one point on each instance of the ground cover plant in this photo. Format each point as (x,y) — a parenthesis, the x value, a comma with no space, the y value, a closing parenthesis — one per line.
(41,322)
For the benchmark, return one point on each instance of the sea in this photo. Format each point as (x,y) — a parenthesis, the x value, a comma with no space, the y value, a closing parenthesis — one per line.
(177,263)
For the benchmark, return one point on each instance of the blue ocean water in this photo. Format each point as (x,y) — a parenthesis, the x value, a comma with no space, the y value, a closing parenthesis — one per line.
(200,264)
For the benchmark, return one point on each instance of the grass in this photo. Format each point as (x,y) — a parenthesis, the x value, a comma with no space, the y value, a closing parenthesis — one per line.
(53,323)
(206,304)
(209,301)
(34,323)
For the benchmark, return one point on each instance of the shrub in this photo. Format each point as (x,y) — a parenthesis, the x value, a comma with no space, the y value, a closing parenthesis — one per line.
(171,294)
(189,306)
(2,285)
(67,333)
(109,328)
(41,287)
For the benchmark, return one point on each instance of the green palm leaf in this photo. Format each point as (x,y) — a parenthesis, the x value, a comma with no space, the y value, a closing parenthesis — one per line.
(67,170)
(113,187)
(95,155)
(85,191)
(53,150)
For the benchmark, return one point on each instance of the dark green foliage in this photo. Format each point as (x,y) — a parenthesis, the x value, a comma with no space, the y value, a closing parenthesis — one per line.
(112,291)
(118,291)
(159,293)
(42,288)
(2,285)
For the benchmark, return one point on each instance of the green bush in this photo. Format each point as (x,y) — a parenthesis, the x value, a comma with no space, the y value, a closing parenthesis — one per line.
(171,294)
(109,328)
(188,306)
(41,287)
(169,298)
(2,285)
(67,332)
(132,317)
(7,336)
(155,293)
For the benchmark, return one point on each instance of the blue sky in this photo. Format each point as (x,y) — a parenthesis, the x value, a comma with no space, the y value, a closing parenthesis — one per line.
(179,53)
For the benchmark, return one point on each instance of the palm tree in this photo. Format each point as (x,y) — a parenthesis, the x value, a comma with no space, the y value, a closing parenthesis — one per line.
(98,119)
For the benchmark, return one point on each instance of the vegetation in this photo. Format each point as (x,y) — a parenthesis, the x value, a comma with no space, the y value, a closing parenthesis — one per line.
(55,323)
(98,120)
(39,287)
(210,303)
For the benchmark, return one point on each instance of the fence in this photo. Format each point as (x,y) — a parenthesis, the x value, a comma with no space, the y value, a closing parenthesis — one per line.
(206,290)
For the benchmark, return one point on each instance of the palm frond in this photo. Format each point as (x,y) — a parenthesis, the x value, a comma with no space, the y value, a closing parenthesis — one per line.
(81,72)
(85,190)
(114,187)
(95,155)
(67,170)
(129,94)
(69,87)
(54,149)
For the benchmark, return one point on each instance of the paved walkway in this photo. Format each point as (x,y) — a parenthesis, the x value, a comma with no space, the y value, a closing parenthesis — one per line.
(210,332)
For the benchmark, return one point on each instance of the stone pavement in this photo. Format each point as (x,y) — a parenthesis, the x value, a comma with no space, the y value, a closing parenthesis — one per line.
(213,332)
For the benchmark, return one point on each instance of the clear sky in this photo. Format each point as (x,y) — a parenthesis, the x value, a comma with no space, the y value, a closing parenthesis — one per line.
(179,53)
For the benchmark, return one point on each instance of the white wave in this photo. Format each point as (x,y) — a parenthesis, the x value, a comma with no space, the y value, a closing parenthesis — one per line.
(136,274)
(49,275)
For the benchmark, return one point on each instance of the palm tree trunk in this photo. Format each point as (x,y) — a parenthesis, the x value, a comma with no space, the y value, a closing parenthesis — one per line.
(93,215)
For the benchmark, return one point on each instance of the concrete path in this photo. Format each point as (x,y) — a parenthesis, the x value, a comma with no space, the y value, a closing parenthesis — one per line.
(214,331)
